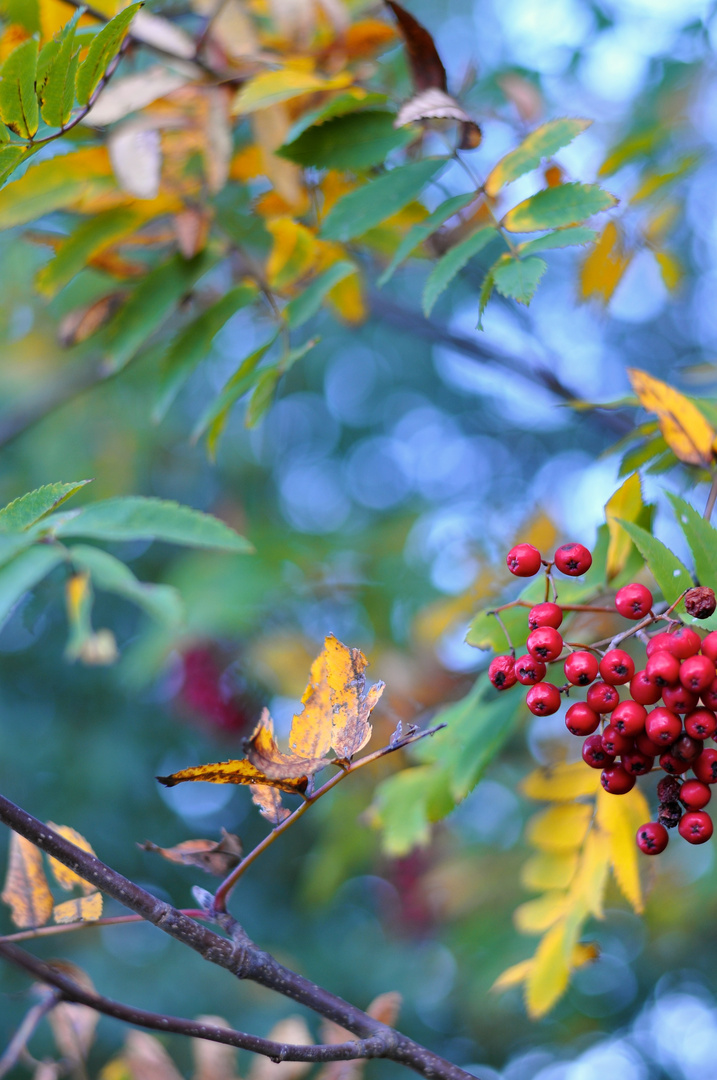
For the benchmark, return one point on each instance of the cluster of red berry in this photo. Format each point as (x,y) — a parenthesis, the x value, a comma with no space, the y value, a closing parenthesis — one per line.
(680,670)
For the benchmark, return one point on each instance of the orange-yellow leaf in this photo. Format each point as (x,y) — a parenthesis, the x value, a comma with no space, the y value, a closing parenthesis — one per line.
(684,428)
(560,828)
(549,870)
(346,298)
(583,953)
(352,702)
(264,753)
(537,916)
(293,253)
(604,266)
(587,891)
(561,783)
(272,87)
(247,163)
(83,909)
(620,817)
(268,799)
(310,734)
(366,37)
(216,857)
(26,890)
(234,772)
(625,505)
(670,268)
(65,877)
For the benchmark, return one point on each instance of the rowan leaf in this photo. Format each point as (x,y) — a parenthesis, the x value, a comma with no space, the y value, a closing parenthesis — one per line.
(549,974)
(25,511)
(518,278)
(18,101)
(605,265)
(65,877)
(452,263)
(89,239)
(263,752)
(561,782)
(702,538)
(23,573)
(26,891)
(537,916)
(620,818)
(307,303)
(560,828)
(683,426)
(54,184)
(293,252)
(549,870)
(162,602)
(234,772)
(625,505)
(552,208)
(365,207)
(352,142)
(669,572)
(268,799)
(215,416)
(216,857)
(56,78)
(271,87)
(81,909)
(351,700)
(407,803)
(569,237)
(583,953)
(102,51)
(419,233)
(541,143)
(354,99)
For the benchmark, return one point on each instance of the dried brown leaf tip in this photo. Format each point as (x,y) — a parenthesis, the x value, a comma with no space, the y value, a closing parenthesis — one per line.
(426,66)
(215,856)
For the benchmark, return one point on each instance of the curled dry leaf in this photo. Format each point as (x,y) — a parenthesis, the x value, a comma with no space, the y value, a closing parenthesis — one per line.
(268,799)
(214,1061)
(73,1026)
(264,753)
(431,104)
(83,322)
(427,70)
(163,34)
(26,891)
(234,772)
(292,1030)
(216,857)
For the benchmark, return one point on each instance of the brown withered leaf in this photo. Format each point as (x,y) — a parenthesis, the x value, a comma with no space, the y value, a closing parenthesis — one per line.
(65,877)
(146,1058)
(83,322)
(73,1026)
(26,890)
(216,857)
(83,909)
(264,753)
(352,703)
(268,800)
(235,772)
(214,1061)
(427,69)
(191,228)
(431,104)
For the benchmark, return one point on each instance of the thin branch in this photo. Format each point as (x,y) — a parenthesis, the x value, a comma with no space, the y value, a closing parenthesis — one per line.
(222,893)
(711,498)
(69,990)
(239,956)
(69,928)
(24,1033)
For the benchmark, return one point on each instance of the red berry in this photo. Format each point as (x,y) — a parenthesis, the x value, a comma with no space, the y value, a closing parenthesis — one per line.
(580,719)
(705,766)
(502,672)
(614,743)
(645,745)
(709,696)
(543,699)
(686,748)
(662,727)
(652,838)
(695,827)
(617,780)
(637,764)
(663,668)
(529,671)
(594,753)
(673,765)
(701,723)
(524,560)
(685,642)
(617,667)
(678,699)
(709,646)
(629,718)
(545,644)
(633,601)
(644,689)
(694,794)
(697,673)
(660,642)
(581,668)
(573,559)
(545,615)
(602,697)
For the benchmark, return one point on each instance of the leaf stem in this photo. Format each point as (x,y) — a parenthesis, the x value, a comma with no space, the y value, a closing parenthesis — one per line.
(67,928)
(711,498)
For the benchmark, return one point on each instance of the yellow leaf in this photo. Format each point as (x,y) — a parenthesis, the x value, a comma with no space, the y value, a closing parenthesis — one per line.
(65,877)
(270,128)
(366,37)
(537,916)
(310,734)
(268,799)
(625,505)
(352,702)
(670,268)
(657,226)
(263,752)
(83,909)
(247,163)
(587,890)
(513,976)
(293,252)
(549,870)
(620,816)
(560,828)
(233,772)
(272,87)
(56,184)
(561,783)
(684,428)
(603,268)
(346,298)
(26,890)
(549,974)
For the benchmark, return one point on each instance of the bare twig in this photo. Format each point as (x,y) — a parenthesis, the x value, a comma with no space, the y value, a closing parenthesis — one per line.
(24,1033)
(69,928)
(711,498)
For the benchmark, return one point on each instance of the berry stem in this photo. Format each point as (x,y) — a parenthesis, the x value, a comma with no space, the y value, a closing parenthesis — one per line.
(502,625)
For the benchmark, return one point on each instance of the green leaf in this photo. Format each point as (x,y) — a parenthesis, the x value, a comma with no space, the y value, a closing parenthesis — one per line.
(352,142)
(541,143)
(10,158)
(642,453)
(23,573)
(337,106)
(194,342)
(24,12)
(566,204)
(153,300)
(702,538)
(406,804)
(518,278)
(12,543)
(102,51)
(367,206)
(137,518)
(52,185)
(89,238)
(268,381)
(215,416)
(452,263)
(57,70)
(25,511)
(419,233)
(578,234)
(486,291)
(162,602)
(18,101)
(305,306)
(671,575)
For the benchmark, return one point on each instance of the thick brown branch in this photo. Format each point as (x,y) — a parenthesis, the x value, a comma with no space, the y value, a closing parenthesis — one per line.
(69,990)
(239,956)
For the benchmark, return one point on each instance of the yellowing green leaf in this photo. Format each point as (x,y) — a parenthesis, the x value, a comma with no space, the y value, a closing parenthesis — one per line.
(620,817)
(18,101)
(537,916)
(549,870)
(23,512)
(670,268)
(103,49)
(271,87)
(549,974)
(26,891)
(552,208)
(625,505)
(82,909)
(604,267)
(560,828)
(541,143)
(293,253)
(56,88)
(89,239)
(233,772)
(55,184)
(561,783)
(65,877)
(683,426)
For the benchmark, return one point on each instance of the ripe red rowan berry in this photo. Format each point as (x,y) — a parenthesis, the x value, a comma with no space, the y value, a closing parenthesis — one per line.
(614,743)
(594,753)
(678,699)
(629,718)
(617,780)
(709,646)
(633,601)
(701,723)
(545,615)
(660,642)
(581,668)
(524,560)
(695,827)
(673,765)
(709,696)
(695,795)
(697,673)
(602,697)
(580,719)
(528,670)
(662,726)
(652,838)
(573,559)
(637,764)
(501,672)
(617,667)
(545,644)
(644,689)
(543,699)
(705,766)
(686,748)
(645,745)
(663,668)
(685,642)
